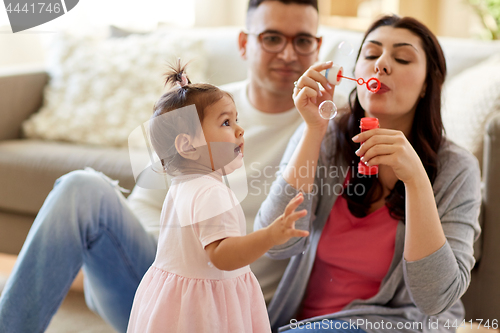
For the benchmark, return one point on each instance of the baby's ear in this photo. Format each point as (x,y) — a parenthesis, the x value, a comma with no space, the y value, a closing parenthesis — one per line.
(184,146)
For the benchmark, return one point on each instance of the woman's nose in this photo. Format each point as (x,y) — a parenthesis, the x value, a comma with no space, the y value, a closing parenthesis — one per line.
(382,66)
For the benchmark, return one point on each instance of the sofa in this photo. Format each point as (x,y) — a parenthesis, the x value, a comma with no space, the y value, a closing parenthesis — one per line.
(30,163)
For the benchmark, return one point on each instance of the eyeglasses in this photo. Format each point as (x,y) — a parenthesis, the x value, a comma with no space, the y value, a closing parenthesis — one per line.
(275,42)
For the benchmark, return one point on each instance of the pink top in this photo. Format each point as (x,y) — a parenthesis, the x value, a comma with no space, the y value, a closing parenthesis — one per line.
(353,257)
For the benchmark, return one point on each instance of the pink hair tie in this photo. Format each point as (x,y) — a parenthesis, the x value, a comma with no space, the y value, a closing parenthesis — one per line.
(184,81)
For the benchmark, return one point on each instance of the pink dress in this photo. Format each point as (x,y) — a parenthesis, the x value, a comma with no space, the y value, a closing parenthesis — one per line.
(182,291)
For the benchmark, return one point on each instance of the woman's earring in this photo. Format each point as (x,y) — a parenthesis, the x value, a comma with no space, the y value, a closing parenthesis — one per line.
(424,88)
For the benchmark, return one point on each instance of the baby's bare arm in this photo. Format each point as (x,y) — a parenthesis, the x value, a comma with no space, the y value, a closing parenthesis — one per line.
(235,252)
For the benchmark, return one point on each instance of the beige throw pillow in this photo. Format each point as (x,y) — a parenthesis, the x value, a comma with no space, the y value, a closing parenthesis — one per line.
(101,89)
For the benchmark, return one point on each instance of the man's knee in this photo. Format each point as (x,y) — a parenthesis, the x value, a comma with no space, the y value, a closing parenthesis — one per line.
(82,181)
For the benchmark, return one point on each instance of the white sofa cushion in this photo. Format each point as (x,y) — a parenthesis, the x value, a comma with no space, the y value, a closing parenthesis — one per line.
(220,47)
(469,100)
(101,89)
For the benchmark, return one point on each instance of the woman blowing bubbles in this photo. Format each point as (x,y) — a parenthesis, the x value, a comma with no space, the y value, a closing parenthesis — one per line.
(396,257)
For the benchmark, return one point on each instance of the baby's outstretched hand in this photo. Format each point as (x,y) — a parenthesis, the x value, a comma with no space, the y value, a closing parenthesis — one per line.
(283,228)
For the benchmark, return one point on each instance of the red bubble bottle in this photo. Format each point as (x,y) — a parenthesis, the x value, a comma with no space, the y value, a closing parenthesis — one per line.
(365,125)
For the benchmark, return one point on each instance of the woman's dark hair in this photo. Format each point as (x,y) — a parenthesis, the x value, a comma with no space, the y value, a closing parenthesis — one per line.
(426,132)
(184,93)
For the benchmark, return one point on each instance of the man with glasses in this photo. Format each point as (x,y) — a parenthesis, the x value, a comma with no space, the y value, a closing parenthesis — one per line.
(84,221)
(279,45)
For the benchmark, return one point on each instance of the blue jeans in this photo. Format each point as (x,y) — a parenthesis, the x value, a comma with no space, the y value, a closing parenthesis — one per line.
(84,221)
(330,326)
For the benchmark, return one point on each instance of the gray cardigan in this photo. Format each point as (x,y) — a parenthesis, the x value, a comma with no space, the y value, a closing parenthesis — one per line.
(414,295)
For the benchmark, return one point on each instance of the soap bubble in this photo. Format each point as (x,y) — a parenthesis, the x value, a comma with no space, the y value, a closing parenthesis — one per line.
(345,48)
(327,109)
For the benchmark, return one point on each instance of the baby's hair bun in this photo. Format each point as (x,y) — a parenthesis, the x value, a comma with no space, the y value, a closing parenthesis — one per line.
(177,75)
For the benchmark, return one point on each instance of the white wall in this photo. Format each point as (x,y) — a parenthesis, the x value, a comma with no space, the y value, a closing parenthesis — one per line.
(458,19)
(220,12)
(28,47)
(20,49)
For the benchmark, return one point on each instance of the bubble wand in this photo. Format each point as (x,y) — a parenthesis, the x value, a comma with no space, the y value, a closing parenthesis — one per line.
(327,109)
